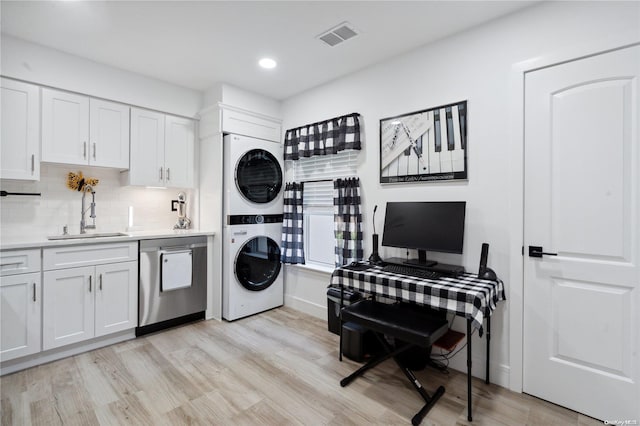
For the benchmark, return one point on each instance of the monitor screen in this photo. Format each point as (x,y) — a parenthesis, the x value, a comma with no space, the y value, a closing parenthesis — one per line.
(430,226)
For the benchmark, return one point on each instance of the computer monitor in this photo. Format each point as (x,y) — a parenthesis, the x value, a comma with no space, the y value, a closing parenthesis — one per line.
(425,226)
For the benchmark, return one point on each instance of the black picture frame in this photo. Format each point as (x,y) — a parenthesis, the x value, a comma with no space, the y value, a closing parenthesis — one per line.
(425,146)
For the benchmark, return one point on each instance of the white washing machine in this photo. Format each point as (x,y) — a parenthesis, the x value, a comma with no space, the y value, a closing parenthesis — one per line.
(253,173)
(251,276)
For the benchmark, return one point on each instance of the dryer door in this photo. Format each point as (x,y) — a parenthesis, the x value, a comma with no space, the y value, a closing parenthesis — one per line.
(258,176)
(258,263)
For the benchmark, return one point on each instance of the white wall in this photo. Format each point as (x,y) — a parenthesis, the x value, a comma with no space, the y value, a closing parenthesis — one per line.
(27,218)
(42,65)
(474,66)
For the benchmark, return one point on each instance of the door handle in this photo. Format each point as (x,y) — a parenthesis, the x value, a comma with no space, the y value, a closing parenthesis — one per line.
(168,175)
(33,163)
(34,292)
(161,173)
(536,251)
(90,283)
(100,282)
(84,149)
(94,150)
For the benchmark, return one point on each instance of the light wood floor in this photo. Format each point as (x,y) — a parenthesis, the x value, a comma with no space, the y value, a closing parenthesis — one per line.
(276,368)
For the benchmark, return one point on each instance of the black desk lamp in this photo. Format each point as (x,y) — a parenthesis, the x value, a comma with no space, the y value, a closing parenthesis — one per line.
(375,258)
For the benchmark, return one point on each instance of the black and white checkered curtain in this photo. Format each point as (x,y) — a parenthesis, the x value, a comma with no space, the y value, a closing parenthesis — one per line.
(347,220)
(292,247)
(326,137)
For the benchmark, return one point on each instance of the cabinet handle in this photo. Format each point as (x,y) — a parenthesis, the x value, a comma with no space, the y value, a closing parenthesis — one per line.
(160,173)
(33,163)
(94,150)
(84,149)
(100,282)
(34,292)
(90,276)
(168,171)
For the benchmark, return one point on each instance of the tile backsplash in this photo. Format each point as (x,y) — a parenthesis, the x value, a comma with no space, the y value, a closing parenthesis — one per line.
(26,216)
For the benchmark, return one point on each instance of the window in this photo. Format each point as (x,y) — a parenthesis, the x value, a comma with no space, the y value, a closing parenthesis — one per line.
(317,173)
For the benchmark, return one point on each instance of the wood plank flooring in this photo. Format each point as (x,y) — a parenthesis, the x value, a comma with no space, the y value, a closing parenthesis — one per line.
(275,368)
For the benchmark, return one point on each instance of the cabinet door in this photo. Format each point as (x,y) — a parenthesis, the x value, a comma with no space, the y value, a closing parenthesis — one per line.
(179,141)
(68,306)
(20,155)
(108,134)
(147,148)
(116,297)
(20,315)
(65,127)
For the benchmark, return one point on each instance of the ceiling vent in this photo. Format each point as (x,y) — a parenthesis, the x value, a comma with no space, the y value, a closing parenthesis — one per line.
(338,34)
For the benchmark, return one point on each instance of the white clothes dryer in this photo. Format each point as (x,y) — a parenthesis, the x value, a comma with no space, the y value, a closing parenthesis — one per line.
(252,272)
(253,175)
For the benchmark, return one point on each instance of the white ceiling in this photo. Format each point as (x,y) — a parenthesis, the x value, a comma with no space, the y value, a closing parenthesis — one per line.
(196,44)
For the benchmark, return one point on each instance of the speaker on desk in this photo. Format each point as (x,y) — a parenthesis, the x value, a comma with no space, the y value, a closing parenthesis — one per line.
(484,272)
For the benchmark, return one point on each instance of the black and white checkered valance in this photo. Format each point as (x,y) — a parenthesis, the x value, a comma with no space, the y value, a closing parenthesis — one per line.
(322,138)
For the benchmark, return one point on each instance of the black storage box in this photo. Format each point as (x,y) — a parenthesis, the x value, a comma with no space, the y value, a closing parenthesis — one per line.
(333,306)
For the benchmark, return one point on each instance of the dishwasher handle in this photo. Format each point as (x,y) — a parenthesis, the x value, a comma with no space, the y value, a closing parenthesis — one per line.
(172,249)
(162,252)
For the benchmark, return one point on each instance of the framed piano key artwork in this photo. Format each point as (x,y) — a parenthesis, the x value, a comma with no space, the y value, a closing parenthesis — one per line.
(428,145)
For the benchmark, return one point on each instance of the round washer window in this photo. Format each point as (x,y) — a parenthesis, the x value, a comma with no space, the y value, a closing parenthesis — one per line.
(259,176)
(258,263)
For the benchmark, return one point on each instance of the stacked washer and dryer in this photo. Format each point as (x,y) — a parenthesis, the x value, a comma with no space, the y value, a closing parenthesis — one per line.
(253,194)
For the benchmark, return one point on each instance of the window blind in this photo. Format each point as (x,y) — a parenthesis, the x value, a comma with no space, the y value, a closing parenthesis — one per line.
(318,173)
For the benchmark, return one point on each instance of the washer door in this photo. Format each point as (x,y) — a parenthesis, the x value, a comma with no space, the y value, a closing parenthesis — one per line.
(258,263)
(258,176)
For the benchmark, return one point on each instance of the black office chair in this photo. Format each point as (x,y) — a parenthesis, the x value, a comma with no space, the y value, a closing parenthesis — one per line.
(414,327)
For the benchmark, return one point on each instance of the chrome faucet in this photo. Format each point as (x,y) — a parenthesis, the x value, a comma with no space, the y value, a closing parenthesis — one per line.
(92,206)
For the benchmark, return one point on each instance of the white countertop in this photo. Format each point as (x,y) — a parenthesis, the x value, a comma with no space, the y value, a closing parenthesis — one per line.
(36,242)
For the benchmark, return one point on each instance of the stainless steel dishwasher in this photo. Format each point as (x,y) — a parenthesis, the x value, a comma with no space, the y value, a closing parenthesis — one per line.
(173,282)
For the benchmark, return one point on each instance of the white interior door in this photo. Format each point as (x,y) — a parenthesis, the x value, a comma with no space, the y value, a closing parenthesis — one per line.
(582,190)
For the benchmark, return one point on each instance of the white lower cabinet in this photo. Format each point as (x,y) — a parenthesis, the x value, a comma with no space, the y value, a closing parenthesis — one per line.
(116,298)
(20,314)
(91,301)
(68,310)
(88,291)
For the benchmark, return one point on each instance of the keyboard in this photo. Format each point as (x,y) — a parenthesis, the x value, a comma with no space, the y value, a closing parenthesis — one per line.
(408,270)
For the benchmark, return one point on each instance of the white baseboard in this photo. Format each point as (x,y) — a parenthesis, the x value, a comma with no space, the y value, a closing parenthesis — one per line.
(499,374)
(305,306)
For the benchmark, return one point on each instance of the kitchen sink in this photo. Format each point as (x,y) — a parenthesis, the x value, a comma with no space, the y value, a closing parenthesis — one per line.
(82,236)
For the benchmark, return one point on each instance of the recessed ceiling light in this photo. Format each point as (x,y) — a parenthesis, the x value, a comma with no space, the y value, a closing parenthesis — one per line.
(267,63)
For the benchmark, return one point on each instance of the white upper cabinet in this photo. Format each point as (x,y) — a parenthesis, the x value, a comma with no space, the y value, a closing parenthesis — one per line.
(65,127)
(83,131)
(109,134)
(242,122)
(147,148)
(178,148)
(162,150)
(20,145)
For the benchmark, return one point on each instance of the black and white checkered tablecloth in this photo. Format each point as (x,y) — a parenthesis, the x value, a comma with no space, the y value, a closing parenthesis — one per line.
(466,295)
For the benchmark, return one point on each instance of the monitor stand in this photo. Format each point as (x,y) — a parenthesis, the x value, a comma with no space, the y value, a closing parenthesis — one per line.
(422,261)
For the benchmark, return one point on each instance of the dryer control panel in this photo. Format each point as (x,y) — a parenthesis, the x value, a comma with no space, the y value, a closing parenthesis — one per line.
(249,219)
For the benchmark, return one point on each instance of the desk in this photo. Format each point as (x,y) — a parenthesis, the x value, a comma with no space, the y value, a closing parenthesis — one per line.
(465,295)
